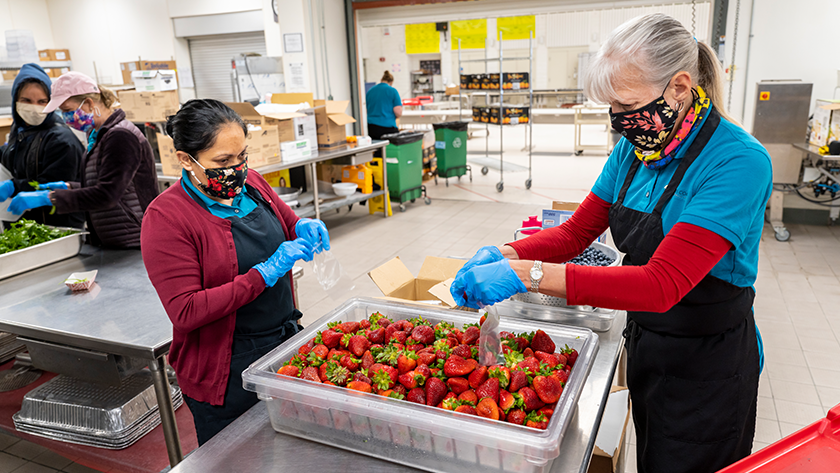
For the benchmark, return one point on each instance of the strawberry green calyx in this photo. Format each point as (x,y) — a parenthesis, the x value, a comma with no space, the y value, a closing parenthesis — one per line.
(419,321)
(335,324)
(519,402)
(346,339)
(567,350)
(466,326)
(419,379)
(396,395)
(337,373)
(536,416)
(314,360)
(439,364)
(389,355)
(381,380)
(442,345)
(410,354)
(513,358)
(452,403)
(318,339)
(474,352)
(376,316)
(527,336)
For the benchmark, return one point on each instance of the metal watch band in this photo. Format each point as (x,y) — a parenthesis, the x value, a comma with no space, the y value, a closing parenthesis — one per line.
(535,283)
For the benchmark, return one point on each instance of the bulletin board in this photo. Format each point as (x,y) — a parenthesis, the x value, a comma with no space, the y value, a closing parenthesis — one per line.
(472,33)
(422,38)
(516,27)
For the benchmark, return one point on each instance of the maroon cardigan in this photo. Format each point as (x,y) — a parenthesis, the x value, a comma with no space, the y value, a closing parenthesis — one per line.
(191,260)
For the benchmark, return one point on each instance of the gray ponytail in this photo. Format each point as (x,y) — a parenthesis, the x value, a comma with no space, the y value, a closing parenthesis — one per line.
(649,50)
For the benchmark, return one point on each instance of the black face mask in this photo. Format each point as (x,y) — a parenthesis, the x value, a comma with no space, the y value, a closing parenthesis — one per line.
(224,183)
(647,127)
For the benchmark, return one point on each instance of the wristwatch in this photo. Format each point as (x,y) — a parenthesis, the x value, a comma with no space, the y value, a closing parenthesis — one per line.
(536,276)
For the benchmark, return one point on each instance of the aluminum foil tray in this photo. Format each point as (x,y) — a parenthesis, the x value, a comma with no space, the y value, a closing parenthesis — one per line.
(72,405)
(33,257)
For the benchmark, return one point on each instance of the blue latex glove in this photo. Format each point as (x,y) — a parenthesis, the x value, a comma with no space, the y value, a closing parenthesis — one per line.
(29,200)
(51,186)
(314,232)
(7,189)
(488,284)
(282,261)
(486,255)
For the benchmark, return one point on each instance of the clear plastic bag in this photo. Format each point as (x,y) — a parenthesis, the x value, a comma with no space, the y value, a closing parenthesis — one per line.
(330,275)
(489,342)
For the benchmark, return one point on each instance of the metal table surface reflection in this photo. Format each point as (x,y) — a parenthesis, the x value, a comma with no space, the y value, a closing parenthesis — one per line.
(121,315)
(251,444)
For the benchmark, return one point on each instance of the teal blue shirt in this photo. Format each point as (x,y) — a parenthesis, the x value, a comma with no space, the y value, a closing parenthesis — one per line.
(241,206)
(381,100)
(725,191)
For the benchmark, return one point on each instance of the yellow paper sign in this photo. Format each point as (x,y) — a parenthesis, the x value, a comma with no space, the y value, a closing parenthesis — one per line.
(422,38)
(472,33)
(516,27)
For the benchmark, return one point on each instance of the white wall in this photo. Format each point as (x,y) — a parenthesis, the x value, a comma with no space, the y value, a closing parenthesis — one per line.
(180,8)
(30,15)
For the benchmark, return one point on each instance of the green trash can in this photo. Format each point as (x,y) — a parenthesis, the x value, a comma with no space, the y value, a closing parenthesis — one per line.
(404,165)
(451,150)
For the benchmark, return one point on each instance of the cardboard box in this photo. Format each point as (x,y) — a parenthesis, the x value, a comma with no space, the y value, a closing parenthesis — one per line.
(513,115)
(263,146)
(54,55)
(169,162)
(431,286)
(475,81)
(149,106)
(331,122)
(559,213)
(56,72)
(10,75)
(476,114)
(465,81)
(294,99)
(612,431)
(490,81)
(157,81)
(454,90)
(295,150)
(128,67)
(515,81)
(291,126)
(331,173)
(826,127)
(5,128)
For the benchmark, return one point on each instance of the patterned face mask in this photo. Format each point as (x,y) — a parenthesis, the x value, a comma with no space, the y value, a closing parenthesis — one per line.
(223,183)
(78,119)
(648,127)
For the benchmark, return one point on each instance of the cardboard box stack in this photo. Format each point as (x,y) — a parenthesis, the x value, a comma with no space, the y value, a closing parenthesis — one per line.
(128,67)
(431,286)
(289,127)
(826,126)
(169,162)
(54,55)
(302,128)
(157,81)
(331,120)
(149,106)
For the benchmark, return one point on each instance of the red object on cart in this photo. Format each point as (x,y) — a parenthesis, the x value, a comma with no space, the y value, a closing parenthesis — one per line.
(415,102)
(425,99)
(531,222)
(814,449)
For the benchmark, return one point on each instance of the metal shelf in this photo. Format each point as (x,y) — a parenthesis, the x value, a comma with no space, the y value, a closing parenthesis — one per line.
(12,65)
(309,209)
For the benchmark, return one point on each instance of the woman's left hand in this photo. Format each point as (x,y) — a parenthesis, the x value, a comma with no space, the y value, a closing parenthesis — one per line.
(314,232)
(24,201)
(488,284)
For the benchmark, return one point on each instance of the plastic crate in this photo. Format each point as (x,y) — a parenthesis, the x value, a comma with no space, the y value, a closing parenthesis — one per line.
(403,432)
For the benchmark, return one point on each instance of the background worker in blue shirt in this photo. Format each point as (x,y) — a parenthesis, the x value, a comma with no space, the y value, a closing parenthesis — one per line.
(683,195)
(383,108)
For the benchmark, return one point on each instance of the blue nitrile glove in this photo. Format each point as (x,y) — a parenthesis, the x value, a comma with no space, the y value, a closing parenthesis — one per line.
(282,261)
(485,255)
(29,200)
(51,186)
(314,232)
(7,189)
(488,284)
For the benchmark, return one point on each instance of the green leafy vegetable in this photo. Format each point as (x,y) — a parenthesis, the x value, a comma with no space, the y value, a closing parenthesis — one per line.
(26,233)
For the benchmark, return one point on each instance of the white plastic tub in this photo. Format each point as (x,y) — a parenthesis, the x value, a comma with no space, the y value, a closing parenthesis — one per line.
(402,432)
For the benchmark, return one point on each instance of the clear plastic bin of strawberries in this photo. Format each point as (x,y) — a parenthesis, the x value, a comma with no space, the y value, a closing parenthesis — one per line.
(436,365)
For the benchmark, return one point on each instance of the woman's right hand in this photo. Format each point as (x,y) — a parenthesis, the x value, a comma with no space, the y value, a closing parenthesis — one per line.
(485,255)
(282,261)
(7,189)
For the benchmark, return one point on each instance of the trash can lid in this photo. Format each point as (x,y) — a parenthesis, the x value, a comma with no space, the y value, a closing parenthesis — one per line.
(403,138)
(455,125)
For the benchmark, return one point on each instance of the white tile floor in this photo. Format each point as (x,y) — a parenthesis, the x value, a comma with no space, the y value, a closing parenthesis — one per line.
(798,290)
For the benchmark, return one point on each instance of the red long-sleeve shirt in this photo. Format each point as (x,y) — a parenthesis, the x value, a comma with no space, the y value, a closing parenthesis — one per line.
(684,257)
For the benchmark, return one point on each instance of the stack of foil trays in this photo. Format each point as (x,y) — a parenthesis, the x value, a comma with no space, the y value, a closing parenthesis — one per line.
(70,410)
(9,346)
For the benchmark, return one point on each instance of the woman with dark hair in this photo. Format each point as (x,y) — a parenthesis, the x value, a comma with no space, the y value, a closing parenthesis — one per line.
(117,178)
(41,148)
(219,247)
(383,107)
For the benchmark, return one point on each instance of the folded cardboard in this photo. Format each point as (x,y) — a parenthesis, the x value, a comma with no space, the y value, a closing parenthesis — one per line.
(611,432)
(331,173)
(431,284)
(453,90)
(559,213)
(294,99)
(54,54)
(263,146)
(169,162)
(826,125)
(291,126)
(141,106)
(331,121)
(5,128)
(126,68)
(157,81)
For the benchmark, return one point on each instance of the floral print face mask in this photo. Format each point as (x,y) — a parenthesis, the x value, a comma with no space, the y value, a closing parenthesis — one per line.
(648,127)
(223,183)
(80,120)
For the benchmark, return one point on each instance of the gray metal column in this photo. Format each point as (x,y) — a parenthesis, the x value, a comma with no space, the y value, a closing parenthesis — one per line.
(167,412)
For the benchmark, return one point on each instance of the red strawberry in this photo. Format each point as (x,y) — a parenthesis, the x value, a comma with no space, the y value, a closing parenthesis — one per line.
(423,334)
(322,371)
(399,336)
(305,349)
(405,364)
(478,377)
(518,380)
(330,338)
(481,320)
(338,374)
(289,370)
(548,388)
(530,399)
(542,342)
(471,336)
(547,411)
(469,396)
(441,355)
(572,356)
(488,408)
(435,391)
(412,379)
(350,327)
(561,358)
(506,400)
(347,362)
(359,376)
(528,352)
(424,370)
(536,420)
(505,335)
(367,360)
(458,385)
(530,364)
(450,403)
(417,395)
(310,374)
(376,336)
(359,386)
(458,335)
(364,324)
(489,388)
(516,416)
(383,376)
(415,347)
(463,351)
(390,330)
(502,373)
(426,358)
(561,375)
(320,351)
(383,322)
(549,359)
(466,409)
(400,389)
(457,366)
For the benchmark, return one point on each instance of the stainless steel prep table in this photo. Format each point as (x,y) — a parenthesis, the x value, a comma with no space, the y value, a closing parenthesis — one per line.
(347,154)
(120,315)
(251,444)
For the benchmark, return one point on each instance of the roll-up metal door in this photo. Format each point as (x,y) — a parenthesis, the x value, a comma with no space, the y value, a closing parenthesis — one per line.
(211,61)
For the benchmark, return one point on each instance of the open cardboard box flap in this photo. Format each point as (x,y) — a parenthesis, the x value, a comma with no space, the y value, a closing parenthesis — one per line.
(247,111)
(611,432)
(396,281)
(284,116)
(293,98)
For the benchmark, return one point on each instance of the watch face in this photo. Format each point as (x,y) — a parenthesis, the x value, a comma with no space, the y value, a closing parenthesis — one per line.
(536,274)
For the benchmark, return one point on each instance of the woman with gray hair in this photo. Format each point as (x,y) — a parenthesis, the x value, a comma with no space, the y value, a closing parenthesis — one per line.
(684,195)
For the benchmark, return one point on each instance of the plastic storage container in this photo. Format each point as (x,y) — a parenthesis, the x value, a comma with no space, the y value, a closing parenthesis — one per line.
(451,148)
(403,432)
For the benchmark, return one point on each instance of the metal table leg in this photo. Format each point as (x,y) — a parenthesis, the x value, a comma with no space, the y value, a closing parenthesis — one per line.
(167,412)
(315,190)
(386,199)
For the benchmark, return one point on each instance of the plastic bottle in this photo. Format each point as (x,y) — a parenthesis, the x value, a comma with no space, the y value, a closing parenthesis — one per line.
(532,221)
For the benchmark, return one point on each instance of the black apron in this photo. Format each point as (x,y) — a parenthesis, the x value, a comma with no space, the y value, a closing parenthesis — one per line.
(261,325)
(692,371)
